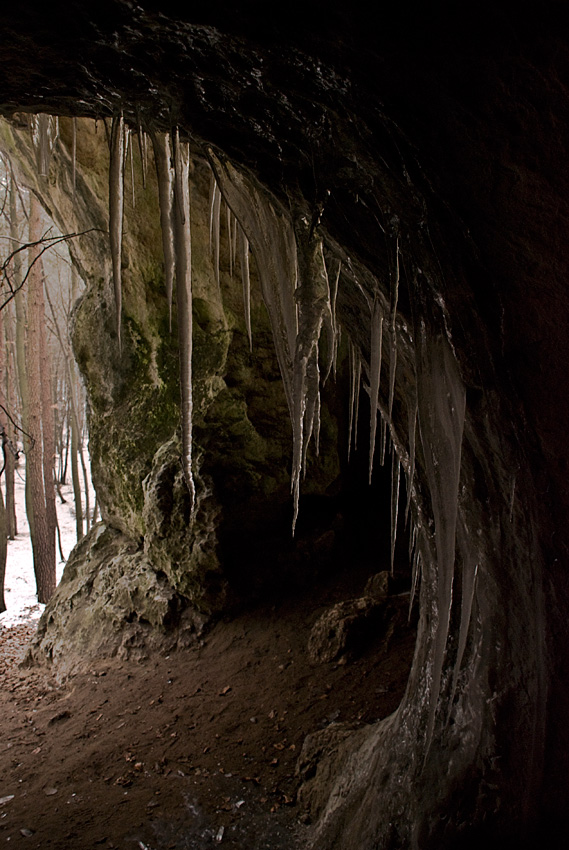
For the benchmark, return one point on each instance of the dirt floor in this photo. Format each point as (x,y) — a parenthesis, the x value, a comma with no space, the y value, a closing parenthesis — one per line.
(193,750)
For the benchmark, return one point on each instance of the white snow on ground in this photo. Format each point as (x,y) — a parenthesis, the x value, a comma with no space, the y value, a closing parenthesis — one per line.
(20,584)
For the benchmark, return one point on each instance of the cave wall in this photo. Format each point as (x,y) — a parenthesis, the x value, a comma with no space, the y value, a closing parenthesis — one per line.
(448,133)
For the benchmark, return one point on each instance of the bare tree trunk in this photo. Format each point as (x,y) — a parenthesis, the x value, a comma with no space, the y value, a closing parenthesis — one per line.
(21,325)
(3,551)
(4,438)
(75,437)
(42,498)
(11,399)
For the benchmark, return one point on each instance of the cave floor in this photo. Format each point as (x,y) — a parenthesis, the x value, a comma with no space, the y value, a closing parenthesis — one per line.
(190,750)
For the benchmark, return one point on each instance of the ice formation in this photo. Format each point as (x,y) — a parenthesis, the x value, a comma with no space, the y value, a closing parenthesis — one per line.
(216,230)
(246,281)
(165,177)
(183,261)
(395,478)
(116,210)
(355,366)
(44,131)
(441,405)
(375,375)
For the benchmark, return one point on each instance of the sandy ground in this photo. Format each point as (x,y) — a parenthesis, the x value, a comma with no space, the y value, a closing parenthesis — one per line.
(189,751)
(193,750)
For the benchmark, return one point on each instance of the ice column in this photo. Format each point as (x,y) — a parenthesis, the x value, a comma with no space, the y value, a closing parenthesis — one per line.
(116,210)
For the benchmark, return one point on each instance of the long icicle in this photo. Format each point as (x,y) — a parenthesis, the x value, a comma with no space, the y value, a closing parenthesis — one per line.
(412,425)
(216,223)
(183,258)
(212,190)
(143,151)
(116,210)
(355,367)
(375,375)
(246,281)
(395,479)
(229,218)
(130,155)
(442,403)
(333,299)
(393,331)
(165,177)
(469,576)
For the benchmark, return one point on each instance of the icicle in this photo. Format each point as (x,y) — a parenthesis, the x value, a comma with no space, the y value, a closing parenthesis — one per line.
(412,539)
(44,130)
(469,575)
(441,404)
(355,366)
(375,375)
(394,296)
(395,478)
(216,221)
(246,280)
(313,300)
(165,178)
(183,259)
(212,190)
(312,413)
(116,209)
(392,369)
(384,439)
(296,313)
(143,150)
(333,299)
(229,242)
(270,234)
(416,572)
(130,155)
(234,239)
(328,328)
(74,153)
(412,426)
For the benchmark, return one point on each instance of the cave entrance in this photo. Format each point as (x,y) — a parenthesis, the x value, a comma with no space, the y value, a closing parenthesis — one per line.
(343,532)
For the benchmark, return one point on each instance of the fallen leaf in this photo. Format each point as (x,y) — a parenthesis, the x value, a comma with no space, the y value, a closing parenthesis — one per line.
(225,690)
(27,833)
(6,799)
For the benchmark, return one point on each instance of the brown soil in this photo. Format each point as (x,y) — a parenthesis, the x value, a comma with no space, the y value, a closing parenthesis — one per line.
(193,750)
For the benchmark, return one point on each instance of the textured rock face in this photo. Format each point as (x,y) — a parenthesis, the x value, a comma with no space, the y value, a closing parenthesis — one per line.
(441,143)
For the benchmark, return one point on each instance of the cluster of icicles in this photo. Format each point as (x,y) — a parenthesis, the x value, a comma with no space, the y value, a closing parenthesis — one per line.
(300,292)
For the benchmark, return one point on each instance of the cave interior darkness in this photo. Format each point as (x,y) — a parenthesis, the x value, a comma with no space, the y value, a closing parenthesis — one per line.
(447,130)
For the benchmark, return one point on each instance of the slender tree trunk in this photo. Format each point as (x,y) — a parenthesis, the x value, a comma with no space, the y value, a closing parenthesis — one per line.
(11,398)
(48,429)
(3,551)
(75,437)
(21,330)
(4,439)
(42,497)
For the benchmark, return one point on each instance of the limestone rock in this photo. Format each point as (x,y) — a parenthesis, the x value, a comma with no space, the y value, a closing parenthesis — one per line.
(321,759)
(345,629)
(378,585)
(110,602)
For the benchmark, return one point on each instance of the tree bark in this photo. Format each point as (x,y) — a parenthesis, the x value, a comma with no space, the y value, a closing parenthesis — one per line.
(4,438)
(42,497)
